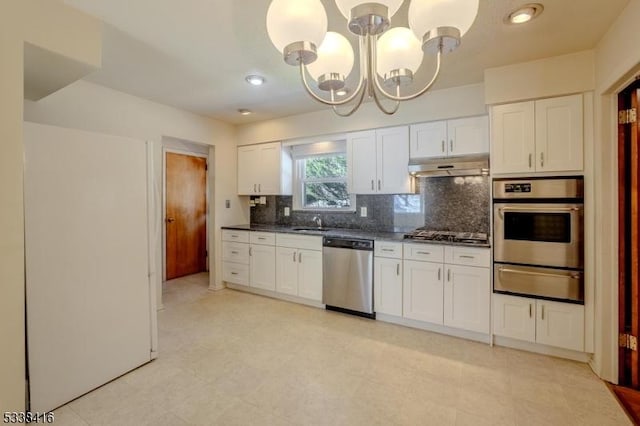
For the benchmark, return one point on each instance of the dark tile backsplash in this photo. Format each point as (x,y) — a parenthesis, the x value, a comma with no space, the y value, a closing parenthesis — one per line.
(441,203)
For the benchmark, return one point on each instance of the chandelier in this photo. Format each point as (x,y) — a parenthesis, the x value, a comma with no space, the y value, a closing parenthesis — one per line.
(388,59)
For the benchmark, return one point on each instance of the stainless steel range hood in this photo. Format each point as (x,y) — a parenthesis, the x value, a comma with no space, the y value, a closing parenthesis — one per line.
(450,166)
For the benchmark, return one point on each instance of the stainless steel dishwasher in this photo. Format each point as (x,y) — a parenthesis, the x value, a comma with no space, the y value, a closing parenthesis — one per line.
(347,271)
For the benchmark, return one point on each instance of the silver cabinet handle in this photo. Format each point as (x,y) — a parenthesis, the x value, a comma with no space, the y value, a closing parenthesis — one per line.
(379,185)
(448,274)
(261,238)
(234,273)
(530,159)
(542,313)
(464,256)
(300,257)
(451,145)
(443,145)
(574,276)
(259,187)
(255,188)
(386,249)
(234,235)
(250,251)
(423,252)
(542,159)
(294,257)
(397,269)
(439,274)
(234,252)
(530,311)
(372,185)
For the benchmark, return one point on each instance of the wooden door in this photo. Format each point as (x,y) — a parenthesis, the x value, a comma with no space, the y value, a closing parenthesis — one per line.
(628,237)
(185,215)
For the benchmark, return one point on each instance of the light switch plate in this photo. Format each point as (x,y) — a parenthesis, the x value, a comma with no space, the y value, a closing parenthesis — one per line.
(287,211)
(363,212)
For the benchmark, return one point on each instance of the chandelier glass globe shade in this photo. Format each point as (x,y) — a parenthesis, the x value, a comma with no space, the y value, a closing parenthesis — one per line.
(345,6)
(335,55)
(426,15)
(399,48)
(290,21)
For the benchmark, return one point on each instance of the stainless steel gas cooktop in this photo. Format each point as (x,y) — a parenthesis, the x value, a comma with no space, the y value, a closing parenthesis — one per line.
(478,238)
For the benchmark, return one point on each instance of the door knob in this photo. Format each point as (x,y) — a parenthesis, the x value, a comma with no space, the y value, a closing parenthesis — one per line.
(171,220)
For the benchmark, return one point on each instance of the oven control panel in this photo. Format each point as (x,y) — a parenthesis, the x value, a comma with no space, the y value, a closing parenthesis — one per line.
(517,188)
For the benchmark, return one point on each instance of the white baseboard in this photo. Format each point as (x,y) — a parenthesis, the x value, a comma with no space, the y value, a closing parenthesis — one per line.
(276,295)
(542,349)
(441,329)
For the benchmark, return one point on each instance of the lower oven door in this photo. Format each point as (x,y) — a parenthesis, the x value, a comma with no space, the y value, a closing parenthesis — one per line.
(544,234)
(558,284)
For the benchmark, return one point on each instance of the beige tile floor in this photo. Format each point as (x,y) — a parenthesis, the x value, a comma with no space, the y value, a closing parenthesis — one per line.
(229,358)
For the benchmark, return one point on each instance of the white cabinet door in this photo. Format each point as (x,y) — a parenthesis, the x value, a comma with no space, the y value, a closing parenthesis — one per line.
(513,138)
(361,147)
(467,293)
(559,134)
(268,167)
(287,270)
(560,324)
(262,263)
(468,136)
(310,274)
(428,140)
(387,286)
(247,169)
(514,317)
(393,160)
(423,291)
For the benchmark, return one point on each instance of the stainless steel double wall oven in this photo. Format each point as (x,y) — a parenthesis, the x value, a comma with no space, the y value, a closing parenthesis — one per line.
(538,237)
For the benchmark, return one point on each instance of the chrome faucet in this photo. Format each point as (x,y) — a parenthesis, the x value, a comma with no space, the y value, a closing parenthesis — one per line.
(318,221)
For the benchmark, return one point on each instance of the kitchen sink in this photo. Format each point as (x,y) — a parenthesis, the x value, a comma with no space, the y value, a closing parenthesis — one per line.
(310,228)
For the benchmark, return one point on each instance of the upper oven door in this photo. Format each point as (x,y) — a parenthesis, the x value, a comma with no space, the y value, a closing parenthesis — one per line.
(539,234)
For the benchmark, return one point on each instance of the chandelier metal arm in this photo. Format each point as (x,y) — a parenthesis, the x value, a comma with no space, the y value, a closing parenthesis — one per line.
(333,102)
(354,109)
(373,76)
(397,97)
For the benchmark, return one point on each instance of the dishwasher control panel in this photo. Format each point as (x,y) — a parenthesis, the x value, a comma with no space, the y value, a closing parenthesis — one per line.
(348,243)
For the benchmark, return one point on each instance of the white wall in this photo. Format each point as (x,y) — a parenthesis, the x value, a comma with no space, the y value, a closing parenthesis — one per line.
(461,101)
(555,76)
(92,107)
(69,34)
(617,59)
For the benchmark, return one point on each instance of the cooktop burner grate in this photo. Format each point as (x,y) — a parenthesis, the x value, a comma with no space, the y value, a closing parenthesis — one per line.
(448,236)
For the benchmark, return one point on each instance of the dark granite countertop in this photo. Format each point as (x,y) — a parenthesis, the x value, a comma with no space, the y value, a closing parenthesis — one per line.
(345,232)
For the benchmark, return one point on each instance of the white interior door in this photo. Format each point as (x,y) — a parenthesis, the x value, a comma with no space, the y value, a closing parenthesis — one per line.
(89,298)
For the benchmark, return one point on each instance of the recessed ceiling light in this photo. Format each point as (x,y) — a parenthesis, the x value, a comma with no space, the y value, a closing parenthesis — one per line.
(244,111)
(524,13)
(255,80)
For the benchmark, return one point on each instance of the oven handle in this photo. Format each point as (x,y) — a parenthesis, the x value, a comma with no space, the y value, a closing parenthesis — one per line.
(536,209)
(539,274)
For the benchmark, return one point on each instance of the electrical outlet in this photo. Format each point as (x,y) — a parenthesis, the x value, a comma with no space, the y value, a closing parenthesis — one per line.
(287,211)
(363,212)
(263,200)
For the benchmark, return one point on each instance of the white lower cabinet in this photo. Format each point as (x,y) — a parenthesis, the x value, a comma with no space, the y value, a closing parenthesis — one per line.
(387,286)
(262,267)
(299,266)
(423,291)
(235,257)
(467,298)
(539,321)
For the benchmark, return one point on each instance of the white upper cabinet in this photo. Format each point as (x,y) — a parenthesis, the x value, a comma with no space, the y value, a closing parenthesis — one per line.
(264,169)
(538,136)
(559,134)
(462,136)
(378,161)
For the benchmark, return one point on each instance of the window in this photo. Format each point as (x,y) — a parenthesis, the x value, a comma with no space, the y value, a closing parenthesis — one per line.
(320,178)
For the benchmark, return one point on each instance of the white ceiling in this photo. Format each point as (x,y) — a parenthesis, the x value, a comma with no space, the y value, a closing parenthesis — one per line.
(194,54)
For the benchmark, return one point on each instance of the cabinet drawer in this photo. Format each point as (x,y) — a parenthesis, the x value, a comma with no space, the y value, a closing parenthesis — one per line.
(426,252)
(263,238)
(237,236)
(388,249)
(236,273)
(299,241)
(235,252)
(468,256)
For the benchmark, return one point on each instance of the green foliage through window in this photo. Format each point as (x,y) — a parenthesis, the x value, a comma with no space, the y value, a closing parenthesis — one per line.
(324,182)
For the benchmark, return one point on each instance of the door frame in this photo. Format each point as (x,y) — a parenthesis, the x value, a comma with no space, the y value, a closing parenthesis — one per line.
(163,204)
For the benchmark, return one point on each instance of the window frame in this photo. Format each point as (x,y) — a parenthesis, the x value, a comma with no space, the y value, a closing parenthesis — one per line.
(299,181)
